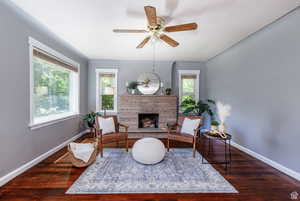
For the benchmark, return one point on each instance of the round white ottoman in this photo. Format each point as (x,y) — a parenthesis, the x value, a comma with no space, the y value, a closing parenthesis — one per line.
(148,151)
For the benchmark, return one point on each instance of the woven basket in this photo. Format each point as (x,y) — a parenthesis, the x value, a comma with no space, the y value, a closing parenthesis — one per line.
(80,163)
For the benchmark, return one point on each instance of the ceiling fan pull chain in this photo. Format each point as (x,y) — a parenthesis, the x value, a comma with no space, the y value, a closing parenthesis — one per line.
(153,65)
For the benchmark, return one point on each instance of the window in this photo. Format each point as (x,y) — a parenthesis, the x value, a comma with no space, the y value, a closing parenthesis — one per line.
(106,90)
(188,84)
(54,85)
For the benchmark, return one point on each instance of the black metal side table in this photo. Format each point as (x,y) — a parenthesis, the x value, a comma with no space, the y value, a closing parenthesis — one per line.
(227,149)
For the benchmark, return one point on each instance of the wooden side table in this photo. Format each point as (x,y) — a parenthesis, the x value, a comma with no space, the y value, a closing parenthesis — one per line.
(227,149)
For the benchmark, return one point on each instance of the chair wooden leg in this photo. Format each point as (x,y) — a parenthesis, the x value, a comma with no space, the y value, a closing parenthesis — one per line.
(101,150)
(194,148)
(126,145)
(168,144)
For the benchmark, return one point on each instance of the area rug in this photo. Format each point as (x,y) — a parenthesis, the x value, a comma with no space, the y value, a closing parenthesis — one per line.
(179,172)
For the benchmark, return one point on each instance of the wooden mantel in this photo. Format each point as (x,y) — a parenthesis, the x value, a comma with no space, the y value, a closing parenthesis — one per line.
(131,105)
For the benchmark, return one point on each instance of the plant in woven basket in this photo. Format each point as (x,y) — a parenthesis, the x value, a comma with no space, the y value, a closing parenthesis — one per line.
(214,125)
(190,106)
(168,91)
(90,118)
(133,85)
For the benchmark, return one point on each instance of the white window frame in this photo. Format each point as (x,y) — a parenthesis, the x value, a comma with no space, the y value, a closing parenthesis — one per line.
(189,72)
(52,119)
(98,87)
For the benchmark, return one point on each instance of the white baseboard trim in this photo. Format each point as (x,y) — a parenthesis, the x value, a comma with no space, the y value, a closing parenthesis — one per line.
(268,161)
(23,168)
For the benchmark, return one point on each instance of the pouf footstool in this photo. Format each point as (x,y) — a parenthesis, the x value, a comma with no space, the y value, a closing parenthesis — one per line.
(148,151)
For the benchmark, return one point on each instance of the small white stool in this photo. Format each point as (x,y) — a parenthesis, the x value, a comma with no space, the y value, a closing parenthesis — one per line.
(148,151)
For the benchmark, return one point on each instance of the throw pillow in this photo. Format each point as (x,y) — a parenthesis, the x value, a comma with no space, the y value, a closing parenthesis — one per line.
(189,125)
(107,125)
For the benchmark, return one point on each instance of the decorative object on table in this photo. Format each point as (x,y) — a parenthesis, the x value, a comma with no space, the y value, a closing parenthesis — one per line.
(90,119)
(132,87)
(108,131)
(187,130)
(156,28)
(148,151)
(223,114)
(162,89)
(214,126)
(179,172)
(190,106)
(227,145)
(168,91)
(148,83)
(216,133)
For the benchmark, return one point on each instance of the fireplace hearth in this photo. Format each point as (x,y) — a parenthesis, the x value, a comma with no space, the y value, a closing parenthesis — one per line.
(148,120)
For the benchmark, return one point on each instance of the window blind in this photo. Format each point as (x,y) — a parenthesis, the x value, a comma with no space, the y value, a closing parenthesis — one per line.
(188,76)
(40,54)
(107,75)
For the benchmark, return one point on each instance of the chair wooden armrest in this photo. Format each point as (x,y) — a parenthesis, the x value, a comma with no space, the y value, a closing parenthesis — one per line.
(173,126)
(124,126)
(197,130)
(98,131)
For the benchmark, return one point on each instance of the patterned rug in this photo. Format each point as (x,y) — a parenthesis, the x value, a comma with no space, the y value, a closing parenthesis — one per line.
(179,172)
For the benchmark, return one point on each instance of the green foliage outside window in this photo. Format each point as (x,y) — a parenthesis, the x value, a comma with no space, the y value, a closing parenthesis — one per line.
(107,102)
(107,97)
(188,85)
(188,89)
(51,88)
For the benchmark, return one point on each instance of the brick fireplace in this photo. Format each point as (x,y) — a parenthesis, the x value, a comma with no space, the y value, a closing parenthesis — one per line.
(142,112)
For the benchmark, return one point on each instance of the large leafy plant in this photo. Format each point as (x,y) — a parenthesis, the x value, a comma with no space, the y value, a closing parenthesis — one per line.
(190,106)
(90,118)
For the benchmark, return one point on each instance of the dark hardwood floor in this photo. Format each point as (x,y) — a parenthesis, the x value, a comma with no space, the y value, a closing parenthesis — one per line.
(253,179)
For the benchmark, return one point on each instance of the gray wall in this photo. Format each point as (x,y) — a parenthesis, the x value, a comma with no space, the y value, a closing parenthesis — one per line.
(18,144)
(259,78)
(130,70)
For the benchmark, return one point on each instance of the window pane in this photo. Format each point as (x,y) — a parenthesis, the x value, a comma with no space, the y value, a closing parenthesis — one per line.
(188,86)
(107,102)
(107,85)
(107,91)
(51,88)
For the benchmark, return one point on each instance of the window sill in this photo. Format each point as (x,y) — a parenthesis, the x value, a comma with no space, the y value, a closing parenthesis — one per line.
(109,111)
(34,126)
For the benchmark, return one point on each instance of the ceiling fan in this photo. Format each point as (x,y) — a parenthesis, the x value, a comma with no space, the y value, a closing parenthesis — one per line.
(156,28)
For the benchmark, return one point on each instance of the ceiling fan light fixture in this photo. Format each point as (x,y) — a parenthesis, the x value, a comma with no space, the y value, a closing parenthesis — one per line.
(156,28)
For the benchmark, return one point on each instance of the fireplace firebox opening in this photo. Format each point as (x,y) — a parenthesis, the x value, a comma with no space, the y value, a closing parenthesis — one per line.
(148,120)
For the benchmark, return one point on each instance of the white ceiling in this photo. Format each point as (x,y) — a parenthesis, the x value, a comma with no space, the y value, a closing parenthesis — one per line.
(87,24)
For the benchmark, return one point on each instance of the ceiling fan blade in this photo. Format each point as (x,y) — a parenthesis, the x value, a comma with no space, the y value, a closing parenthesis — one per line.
(129,31)
(181,27)
(143,43)
(168,40)
(151,15)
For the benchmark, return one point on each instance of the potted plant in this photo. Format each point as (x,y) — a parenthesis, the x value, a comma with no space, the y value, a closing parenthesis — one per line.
(132,86)
(168,91)
(214,126)
(190,106)
(90,118)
